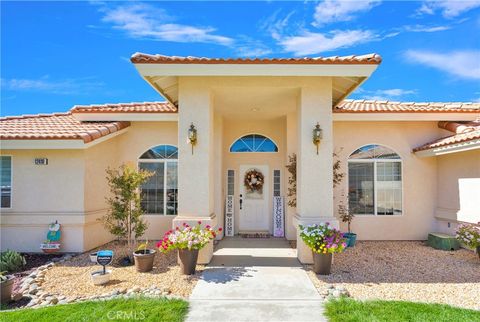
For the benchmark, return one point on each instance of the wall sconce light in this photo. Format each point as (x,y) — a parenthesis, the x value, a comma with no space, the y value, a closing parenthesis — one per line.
(317,135)
(192,135)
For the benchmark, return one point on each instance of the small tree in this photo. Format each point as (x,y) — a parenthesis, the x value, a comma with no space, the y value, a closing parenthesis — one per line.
(124,218)
(345,212)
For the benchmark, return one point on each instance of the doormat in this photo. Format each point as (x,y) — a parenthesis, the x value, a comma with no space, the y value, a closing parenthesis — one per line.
(254,235)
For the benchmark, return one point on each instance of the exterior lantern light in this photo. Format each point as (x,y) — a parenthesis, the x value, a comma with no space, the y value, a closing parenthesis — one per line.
(192,135)
(317,135)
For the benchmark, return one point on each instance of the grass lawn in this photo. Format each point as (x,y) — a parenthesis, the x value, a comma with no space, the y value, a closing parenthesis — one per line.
(140,309)
(348,310)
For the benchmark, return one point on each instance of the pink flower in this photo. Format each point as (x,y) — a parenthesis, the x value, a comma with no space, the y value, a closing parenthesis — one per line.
(199,222)
(207,226)
(220,229)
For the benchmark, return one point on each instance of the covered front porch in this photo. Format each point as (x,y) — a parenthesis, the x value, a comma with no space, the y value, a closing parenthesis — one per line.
(235,110)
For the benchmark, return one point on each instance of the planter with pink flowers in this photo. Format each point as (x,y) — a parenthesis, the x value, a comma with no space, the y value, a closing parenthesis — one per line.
(324,241)
(188,240)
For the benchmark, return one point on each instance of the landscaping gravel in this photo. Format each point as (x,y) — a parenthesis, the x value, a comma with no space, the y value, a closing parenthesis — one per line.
(72,278)
(405,270)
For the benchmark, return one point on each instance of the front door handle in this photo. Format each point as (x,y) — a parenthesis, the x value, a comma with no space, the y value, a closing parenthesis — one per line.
(241,202)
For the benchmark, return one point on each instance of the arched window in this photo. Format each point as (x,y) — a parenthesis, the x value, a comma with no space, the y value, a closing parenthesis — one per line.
(375,181)
(254,143)
(159,193)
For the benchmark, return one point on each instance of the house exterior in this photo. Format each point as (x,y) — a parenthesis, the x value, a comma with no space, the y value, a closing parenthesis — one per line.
(409,168)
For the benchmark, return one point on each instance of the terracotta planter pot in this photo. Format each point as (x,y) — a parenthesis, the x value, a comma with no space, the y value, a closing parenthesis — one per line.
(144,260)
(188,260)
(6,290)
(322,263)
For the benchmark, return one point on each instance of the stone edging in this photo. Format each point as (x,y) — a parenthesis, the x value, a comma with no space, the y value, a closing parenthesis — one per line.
(32,287)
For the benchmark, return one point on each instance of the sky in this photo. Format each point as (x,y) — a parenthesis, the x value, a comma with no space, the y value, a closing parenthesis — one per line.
(55,55)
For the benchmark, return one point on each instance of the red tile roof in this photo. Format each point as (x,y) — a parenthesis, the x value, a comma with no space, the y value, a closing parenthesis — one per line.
(371,106)
(140,58)
(58,126)
(145,107)
(464,132)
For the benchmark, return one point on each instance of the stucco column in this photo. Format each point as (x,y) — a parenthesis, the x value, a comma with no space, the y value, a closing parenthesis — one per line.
(314,171)
(196,170)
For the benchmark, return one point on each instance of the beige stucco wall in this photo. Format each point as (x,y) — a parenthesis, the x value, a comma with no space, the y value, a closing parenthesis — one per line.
(458,189)
(274,129)
(41,195)
(140,137)
(72,189)
(419,177)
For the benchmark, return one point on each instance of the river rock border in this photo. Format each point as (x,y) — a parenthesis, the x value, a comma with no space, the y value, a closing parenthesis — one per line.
(32,287)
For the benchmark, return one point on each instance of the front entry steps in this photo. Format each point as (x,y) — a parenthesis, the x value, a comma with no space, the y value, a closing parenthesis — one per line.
(254,234)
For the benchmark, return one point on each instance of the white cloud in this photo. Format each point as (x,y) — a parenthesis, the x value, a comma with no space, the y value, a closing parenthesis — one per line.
(330,11)
(45,84)
(313,43)
(395,92)
(145,21)
(423,28)
(448,8)
(276,26)
(461,63)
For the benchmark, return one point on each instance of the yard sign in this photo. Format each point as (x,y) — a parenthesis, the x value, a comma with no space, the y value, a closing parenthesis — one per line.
(278,217)
(229,216)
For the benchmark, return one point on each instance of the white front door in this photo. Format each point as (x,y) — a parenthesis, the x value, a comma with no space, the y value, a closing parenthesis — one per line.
(253,198)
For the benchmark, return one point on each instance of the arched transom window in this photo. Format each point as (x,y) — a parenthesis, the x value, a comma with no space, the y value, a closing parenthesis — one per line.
(254,143)
(159,193)
(375,181)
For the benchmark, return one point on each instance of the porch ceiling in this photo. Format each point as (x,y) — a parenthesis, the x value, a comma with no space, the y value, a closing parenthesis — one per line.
(259,103)
(167,86)
(347,72)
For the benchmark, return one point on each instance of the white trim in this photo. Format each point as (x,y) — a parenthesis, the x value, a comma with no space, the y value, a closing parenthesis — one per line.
(165,162)
(401,116)
(358,70)
(55,144)
(374,161)
(11,182)
(451,148)
(165,117)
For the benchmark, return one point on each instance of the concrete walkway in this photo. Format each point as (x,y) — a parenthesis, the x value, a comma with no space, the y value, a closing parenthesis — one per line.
(255,280)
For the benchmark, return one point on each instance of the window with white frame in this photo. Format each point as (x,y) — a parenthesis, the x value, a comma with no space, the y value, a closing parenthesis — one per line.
(254,143)
(375,181)
(6,181)
(159,194)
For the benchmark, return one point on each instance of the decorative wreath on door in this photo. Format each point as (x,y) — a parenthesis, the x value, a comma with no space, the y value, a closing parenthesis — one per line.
(254,180)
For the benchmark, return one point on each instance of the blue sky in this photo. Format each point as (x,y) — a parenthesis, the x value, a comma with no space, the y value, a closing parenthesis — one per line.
(58,54)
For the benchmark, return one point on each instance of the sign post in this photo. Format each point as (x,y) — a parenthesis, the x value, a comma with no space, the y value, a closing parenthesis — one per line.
(104,258)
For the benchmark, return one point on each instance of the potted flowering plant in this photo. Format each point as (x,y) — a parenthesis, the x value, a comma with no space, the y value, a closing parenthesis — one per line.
(469,234)
(324,241)
(188,240)
(144,257)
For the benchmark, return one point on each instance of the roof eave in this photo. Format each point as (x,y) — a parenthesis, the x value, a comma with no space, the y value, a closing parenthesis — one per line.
(447,149)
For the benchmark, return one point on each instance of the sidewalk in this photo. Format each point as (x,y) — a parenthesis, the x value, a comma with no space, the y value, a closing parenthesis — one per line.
(255,280)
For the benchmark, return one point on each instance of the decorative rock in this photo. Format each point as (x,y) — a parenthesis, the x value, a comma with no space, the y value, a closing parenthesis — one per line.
(17,297)
(63,302)
(54,300)
(136,289)
(122,290)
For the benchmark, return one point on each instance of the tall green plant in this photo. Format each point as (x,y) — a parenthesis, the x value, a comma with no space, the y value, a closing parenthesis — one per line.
(124,218)
(292,179)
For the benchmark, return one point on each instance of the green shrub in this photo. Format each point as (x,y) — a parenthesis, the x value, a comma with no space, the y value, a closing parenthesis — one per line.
(11,261)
